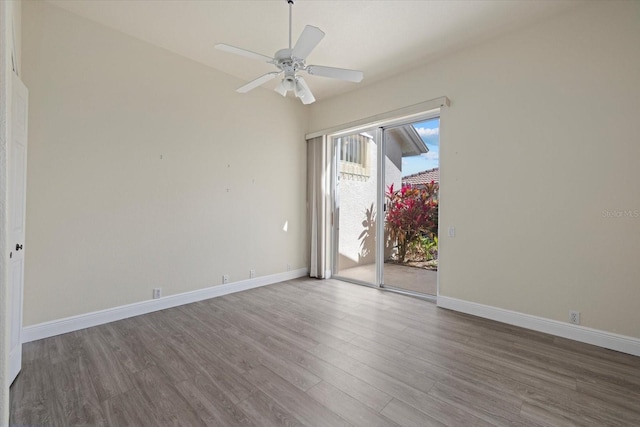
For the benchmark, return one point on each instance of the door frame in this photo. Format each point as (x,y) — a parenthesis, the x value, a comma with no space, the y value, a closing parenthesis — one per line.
(8,60)
(378,127)
(17,198)
(382,195)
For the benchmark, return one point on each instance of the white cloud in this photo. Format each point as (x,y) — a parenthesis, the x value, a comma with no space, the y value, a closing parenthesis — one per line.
(432,155)
(428,131)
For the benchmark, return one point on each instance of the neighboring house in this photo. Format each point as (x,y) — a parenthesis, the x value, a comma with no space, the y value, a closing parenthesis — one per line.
(420,179)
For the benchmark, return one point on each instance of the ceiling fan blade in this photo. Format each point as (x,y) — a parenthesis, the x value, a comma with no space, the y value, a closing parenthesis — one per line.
(243,52)
(304,93)
(257,82)
(335,73)
(308,40)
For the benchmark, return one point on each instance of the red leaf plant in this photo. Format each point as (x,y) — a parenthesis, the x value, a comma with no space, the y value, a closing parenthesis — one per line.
(412,212)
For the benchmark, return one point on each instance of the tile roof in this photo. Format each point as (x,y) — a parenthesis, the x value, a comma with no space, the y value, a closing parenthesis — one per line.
(423,177)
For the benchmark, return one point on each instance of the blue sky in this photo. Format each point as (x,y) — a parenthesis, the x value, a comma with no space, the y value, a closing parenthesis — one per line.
(430,132)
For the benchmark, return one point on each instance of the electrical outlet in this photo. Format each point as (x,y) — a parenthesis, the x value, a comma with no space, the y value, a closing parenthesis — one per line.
(574,317)
(288,267)
(452,232)
(225,278)
(157,293)
(252,274)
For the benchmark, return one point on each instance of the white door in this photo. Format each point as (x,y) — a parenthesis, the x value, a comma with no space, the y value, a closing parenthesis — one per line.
(17,200)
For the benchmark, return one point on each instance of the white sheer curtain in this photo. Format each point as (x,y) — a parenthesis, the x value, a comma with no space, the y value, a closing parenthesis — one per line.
(318,202)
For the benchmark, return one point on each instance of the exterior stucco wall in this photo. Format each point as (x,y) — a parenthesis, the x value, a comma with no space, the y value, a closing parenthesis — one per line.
(357,194)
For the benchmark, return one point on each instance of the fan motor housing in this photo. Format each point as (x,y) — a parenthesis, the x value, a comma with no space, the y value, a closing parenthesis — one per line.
(288,64)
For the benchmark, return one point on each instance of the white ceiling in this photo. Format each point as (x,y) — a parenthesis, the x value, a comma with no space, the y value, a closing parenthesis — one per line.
(381,38)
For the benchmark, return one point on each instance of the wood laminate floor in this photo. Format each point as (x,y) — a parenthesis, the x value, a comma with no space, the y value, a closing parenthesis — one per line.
(320,353)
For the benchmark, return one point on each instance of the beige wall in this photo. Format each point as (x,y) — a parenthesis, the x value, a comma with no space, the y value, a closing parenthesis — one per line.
(108,219)
(540,142)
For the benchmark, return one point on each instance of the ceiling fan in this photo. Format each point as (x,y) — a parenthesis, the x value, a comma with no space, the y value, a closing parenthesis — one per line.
(291,61)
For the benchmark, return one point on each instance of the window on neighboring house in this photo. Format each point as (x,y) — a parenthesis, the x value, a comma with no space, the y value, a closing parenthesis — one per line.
(354,152)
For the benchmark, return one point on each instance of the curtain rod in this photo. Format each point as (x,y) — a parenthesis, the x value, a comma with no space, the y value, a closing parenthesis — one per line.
(384,118)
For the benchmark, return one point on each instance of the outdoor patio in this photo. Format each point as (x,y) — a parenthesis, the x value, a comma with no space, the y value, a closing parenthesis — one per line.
(399,276)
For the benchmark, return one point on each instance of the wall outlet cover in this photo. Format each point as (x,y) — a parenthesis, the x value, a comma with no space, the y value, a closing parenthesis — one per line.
(574,317)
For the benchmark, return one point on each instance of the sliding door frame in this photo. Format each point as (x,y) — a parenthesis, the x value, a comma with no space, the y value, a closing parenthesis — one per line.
(379,129)
(381,199)
(335,203)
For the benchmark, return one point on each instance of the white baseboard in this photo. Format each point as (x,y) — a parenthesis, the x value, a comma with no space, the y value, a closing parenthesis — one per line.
(74,323)
(622,343)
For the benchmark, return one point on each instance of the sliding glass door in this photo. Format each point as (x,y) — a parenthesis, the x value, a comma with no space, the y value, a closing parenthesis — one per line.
(356,208)
(385,219)
(411,200)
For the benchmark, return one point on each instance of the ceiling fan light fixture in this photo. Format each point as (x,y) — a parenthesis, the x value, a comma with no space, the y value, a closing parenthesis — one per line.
(308,99)
(289,84)
(299,90)
(303,92)
(281,89)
